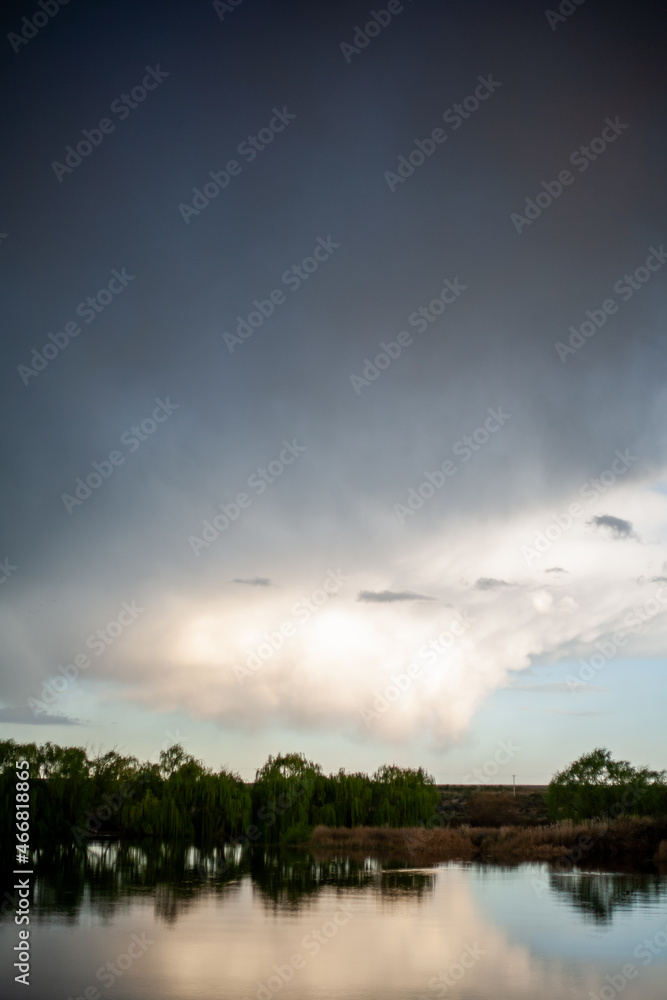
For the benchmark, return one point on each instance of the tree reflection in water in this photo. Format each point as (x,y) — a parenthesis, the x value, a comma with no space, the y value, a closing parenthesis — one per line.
(108,875)
(601,895)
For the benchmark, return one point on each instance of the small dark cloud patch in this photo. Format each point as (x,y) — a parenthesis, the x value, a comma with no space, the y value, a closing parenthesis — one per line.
(24,717)
(256,581)
(387,596)
(659,579)
(488,583)
(617,527)
(555,569)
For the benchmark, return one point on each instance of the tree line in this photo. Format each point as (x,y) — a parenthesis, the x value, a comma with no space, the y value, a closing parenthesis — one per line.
(75,794)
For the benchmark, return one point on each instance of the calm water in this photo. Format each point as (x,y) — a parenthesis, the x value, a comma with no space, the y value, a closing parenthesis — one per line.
(170,924)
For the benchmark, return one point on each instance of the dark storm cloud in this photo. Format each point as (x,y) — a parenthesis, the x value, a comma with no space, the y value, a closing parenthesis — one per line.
(256,581)
(319,182)
(617,526)
(388,596)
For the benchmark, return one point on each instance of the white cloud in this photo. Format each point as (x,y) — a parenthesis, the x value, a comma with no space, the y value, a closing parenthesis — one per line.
(338,659)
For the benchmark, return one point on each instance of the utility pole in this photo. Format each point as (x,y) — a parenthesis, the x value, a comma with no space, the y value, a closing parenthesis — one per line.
(514,784)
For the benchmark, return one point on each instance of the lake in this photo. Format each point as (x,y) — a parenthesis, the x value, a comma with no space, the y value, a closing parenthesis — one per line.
(156,922)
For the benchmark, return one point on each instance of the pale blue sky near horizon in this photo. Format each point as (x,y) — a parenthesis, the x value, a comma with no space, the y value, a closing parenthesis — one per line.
(550,729)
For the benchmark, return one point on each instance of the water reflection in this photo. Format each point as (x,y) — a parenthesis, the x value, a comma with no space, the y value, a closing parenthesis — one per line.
(106,875)
(229,924)
(600,896)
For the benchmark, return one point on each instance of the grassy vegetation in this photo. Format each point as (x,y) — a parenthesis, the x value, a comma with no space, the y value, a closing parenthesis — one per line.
(605,811)
(493,806)
(631,839)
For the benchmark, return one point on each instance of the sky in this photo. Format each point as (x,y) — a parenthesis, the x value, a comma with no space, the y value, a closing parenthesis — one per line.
(333,382)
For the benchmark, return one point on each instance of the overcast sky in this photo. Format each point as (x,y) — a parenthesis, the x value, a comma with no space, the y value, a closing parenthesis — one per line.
(315,321)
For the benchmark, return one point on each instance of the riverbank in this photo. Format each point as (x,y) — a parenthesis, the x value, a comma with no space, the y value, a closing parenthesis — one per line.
(628,840)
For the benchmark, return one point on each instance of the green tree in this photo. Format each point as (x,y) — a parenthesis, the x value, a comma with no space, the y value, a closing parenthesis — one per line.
(285,789)
(596,785)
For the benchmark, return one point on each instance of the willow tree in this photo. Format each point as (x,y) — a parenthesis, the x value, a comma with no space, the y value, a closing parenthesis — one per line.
(282,796)
(403,796)
(74,796)
(180,798)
